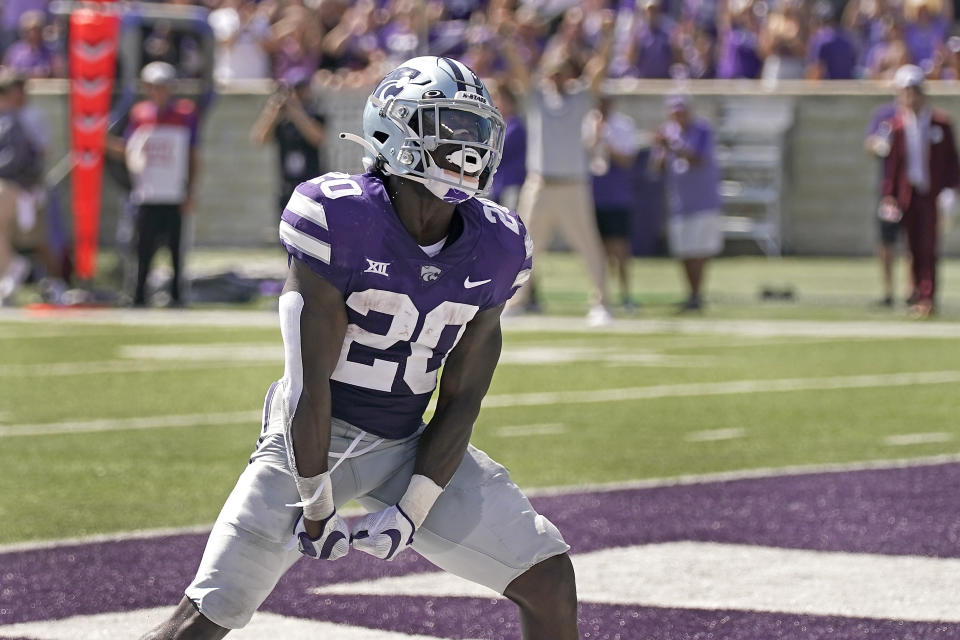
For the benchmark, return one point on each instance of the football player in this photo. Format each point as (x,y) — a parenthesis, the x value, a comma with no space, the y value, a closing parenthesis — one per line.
(392,274)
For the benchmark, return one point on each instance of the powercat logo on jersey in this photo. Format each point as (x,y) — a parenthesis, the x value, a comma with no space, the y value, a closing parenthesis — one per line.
(379,268)
(429,272)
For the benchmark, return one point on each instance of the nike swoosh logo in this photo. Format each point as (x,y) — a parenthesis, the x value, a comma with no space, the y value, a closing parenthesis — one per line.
(330,543)
(394,541)
(468,284)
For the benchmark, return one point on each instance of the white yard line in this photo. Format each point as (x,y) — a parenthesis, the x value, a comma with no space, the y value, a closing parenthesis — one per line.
(827,383)
(529,399)
(132,424)
(714,435)
(908,439)
(40,369)
(705,326)
(522,430)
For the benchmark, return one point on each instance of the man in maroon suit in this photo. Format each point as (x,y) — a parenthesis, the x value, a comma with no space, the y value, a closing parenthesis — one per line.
(922,166)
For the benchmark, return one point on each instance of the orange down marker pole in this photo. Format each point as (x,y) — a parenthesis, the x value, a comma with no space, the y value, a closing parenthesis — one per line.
(94,35)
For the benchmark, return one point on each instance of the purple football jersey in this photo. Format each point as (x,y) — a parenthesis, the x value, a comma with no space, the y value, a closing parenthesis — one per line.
(405,310)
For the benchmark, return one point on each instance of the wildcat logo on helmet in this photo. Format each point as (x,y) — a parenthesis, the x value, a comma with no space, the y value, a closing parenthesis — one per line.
(429,272)
(394,82)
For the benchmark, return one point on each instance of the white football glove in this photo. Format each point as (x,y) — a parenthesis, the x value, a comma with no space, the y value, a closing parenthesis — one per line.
(384,534)
(333,542)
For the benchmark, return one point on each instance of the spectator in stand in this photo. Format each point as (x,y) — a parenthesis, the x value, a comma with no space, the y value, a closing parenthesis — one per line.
(867,21)
(526,33)
(947,65)
(295,41)
(482,53)
(354,43)
(11,12)
(20,171)
(512,171)
(241,30)
(556,191)
(161,152)
(698,51)
(30,56)
(651,53)
(684,153)
(569,39)
(877,144)
(889,54)
(783,42)
(291,119)
(926,29)
(738,34)
(921,173)
(612,144)
(402,35)
(831,53)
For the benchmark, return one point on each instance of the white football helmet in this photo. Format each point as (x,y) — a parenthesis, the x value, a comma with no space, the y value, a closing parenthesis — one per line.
(432,120)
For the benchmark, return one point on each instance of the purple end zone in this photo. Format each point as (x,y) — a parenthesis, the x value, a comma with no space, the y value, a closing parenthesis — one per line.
(459,618)
(911,510)
(895,511)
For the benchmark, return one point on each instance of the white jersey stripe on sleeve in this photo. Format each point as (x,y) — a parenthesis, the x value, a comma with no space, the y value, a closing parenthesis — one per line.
(522,277)
(306,207)
(304,242)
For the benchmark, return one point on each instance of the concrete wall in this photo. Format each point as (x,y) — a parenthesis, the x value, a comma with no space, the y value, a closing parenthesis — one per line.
(829,183)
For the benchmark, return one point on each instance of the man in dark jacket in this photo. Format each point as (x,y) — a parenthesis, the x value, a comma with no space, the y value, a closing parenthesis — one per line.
(921,169)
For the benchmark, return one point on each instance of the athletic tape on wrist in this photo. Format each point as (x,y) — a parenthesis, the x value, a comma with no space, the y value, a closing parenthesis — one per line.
(316,496)
(421,493)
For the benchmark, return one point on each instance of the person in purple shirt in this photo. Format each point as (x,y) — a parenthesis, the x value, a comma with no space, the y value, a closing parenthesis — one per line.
(651,51)
(11,11)
(513,165)
(877,144)
(831,52)
(684,153)
(925,31)
(30,55)
(738,35)
(612,143)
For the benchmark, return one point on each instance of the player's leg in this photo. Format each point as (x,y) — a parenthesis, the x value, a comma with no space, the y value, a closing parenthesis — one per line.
(546,594)
(482,528)
(885,252)
(248,549)
(175,231)
(147,231)
(579,226)
(187,623)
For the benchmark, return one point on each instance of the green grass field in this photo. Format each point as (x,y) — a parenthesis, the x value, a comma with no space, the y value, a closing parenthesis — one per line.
(144,420)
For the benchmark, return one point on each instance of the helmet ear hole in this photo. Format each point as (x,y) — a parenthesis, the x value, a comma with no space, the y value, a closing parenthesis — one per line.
(381,136)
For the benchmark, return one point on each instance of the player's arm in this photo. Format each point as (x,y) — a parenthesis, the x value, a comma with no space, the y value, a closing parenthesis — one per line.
(466,377)
(313,321)
(595,70)
(465,380)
